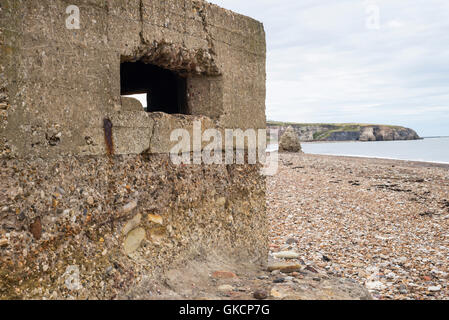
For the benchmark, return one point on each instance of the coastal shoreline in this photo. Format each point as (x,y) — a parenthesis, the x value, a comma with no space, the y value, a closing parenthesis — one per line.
(420,163)
(432,151)
(356,141)
(412,163)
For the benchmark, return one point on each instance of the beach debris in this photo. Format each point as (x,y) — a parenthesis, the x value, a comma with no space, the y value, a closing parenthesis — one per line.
(386,233)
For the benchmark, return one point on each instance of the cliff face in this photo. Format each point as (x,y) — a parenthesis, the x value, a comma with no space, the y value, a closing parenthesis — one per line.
(346,132)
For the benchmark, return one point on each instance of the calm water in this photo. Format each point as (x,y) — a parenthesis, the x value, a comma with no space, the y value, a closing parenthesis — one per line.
(430,149)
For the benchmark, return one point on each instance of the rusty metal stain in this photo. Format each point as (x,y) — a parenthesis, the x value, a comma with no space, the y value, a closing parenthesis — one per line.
(107,125)
(36,228)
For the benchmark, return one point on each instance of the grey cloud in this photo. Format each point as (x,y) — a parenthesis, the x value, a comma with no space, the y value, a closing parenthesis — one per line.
(324,65)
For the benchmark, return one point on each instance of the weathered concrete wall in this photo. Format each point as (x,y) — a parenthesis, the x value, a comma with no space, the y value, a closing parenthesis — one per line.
(119,220)
(66,206)
(62,83)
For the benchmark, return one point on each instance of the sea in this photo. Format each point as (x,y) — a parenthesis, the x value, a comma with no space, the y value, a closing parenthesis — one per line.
(434,150)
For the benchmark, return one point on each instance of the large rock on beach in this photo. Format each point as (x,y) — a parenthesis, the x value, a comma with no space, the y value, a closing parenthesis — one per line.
(289,141)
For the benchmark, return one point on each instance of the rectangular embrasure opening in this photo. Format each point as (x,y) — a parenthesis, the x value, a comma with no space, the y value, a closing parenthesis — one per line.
(165,90)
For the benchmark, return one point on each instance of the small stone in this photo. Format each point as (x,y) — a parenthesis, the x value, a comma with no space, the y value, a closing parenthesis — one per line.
(284,267)
(221,201)
(427,278)
(279,280)
(22,216)
(402,260)
(225,288)
(133,240)
(131,224)
(15,192)
(129,207)
(260,295)
(311,269)
(291,241)
(36,228)
(403,289)
(223,275)
(275,272)
(109,270)
(434,288)
(90,200)
(155,218)
(277,293)
(158,235)
(286,255)
(3,242)
(372,269)
(374,285)
(391,275)
(262,277)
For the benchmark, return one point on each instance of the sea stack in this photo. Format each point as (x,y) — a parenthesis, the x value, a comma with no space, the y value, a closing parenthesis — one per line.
(289,141)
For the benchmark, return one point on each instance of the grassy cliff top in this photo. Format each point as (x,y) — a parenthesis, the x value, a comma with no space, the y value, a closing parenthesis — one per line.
(342,125)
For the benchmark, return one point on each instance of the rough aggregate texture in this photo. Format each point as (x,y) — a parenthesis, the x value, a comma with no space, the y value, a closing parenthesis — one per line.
(116,221)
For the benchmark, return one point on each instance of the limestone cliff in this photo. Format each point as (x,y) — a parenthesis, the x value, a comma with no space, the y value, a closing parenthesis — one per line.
(346,132)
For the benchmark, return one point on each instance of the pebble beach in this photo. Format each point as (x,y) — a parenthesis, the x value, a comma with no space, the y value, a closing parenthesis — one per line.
(382,223)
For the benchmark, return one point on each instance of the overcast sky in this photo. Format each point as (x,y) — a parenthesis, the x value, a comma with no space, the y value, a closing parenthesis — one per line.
(330,61)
